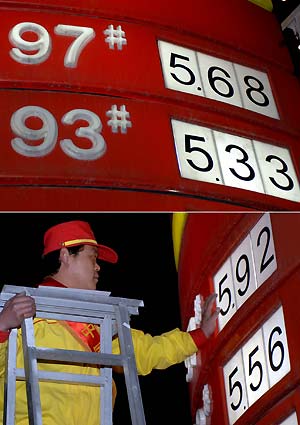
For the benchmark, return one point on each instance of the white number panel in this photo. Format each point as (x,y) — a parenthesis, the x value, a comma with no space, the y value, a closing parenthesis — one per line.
(235,387)
(257,366)
(202,75)
(248,267)
(215,157)
(263,249)
(238,163)
(291,420)
(181,69)
(196,152)
(277,170)
(244,280)
(275,345)
(223,283)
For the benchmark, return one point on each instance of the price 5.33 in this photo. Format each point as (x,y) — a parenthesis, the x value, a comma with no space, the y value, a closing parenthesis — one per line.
(220,158)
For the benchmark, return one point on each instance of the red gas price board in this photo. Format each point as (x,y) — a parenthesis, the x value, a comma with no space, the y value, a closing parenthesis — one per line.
(252,365)
(91,140)
(217,117)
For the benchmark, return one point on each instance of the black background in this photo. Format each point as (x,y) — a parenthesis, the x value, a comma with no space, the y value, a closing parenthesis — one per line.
(145,270)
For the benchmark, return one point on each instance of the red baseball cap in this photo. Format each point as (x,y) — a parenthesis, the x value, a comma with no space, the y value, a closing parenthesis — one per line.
(73,233)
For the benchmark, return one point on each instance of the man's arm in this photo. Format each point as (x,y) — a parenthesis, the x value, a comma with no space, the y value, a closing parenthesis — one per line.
(162,351)
(14,312)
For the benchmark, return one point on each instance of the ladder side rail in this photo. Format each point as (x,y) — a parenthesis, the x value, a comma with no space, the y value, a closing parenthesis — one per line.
(9,405)
(106,415)
(31,373)
(130,370)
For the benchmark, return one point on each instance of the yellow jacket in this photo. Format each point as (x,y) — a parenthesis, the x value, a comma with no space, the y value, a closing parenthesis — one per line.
(67,404)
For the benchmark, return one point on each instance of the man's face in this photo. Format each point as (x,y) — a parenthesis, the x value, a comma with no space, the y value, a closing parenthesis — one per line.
(84,268)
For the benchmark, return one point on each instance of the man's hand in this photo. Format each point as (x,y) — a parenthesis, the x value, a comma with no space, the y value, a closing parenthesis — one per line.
(208,323)
(15,310)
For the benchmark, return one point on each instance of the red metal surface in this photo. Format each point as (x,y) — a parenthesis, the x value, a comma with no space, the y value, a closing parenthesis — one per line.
(283,409)
(51,198)
(133,76)
(127,163)
(136,70)
(207,19)
(208,240)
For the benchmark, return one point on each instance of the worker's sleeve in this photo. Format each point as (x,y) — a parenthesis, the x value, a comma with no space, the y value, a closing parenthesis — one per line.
(3,348)
(199,337)
(159,352)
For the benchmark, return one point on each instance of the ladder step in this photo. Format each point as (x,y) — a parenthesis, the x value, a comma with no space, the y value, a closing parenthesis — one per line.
(74,356)
(73,378)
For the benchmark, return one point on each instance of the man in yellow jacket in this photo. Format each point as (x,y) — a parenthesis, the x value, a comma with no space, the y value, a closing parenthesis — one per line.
(70,254)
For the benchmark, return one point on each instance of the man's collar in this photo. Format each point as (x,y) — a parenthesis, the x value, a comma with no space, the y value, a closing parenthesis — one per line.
(49,281)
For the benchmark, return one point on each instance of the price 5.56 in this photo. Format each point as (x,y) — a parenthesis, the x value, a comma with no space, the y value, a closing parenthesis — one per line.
(257,366)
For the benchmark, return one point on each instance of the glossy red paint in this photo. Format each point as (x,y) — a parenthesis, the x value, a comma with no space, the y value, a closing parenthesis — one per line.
(133,76)
(126,165)
(208,240)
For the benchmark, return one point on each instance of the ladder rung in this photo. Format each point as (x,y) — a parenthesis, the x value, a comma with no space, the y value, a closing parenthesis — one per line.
(70,356)
(73,294)
(73,378)
(72,307)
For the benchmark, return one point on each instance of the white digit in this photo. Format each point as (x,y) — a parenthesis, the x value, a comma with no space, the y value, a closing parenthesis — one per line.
(42,45)
(83,36)
(48,131)
(91,132)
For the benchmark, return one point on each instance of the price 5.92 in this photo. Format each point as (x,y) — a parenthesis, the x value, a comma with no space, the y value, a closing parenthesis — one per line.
(248,267)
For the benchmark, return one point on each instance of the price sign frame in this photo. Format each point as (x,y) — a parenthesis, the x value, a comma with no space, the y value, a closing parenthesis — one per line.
(254,363)
(201,156)
(251,263)
(188,71)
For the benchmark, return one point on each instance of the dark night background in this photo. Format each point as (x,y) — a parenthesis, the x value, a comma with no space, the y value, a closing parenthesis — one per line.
(146,270)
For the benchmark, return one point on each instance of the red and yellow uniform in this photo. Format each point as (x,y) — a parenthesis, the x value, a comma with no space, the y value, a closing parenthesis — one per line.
(65,404)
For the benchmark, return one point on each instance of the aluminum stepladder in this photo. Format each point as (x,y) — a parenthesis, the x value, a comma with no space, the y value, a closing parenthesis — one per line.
(96,307)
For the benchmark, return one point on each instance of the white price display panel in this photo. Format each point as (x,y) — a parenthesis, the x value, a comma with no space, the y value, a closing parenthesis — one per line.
(291,420)
(215,157)
(235,387)
(224,288)
(257,366)
(248,267)
(202,75)
(263,249)
(244,280)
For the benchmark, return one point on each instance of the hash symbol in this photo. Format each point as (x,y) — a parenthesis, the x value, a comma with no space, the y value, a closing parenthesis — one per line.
(119,119)
(115,37)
